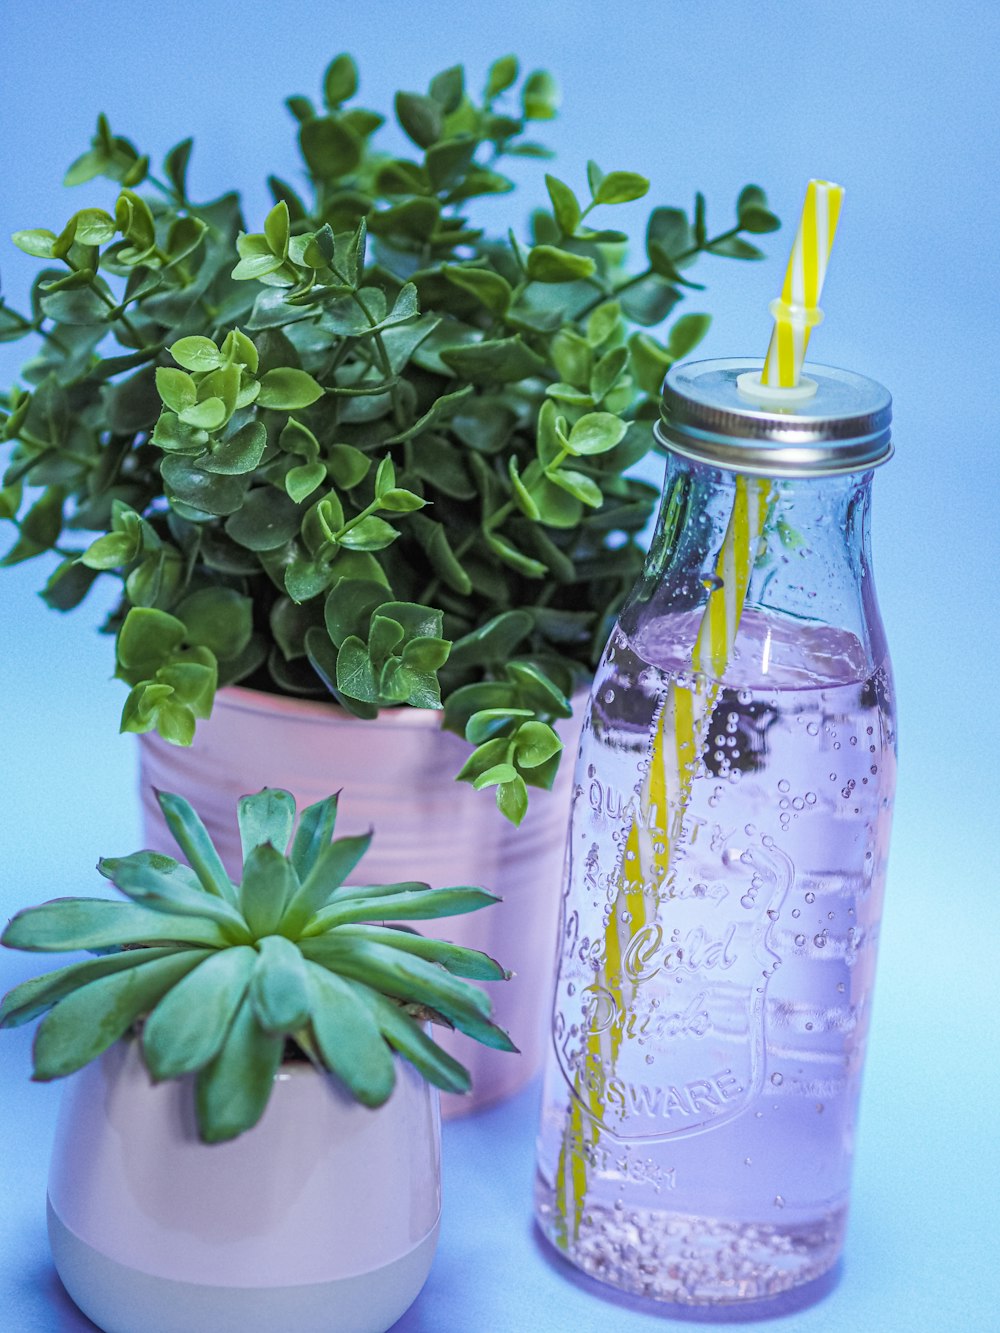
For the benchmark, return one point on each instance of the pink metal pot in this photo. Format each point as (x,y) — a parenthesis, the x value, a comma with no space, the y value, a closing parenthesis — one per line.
(323,1218)
(398,776)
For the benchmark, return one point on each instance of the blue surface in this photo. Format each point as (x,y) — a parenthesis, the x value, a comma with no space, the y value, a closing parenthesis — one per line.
(901,107)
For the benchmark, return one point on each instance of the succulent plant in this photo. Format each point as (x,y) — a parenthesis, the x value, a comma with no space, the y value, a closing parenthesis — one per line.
(221,976)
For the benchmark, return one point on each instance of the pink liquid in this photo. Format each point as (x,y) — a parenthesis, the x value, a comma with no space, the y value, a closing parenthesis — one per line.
(726,1045)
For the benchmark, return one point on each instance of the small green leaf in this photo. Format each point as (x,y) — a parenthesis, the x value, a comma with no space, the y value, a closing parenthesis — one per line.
(758,220)
(330,147)
(421,118)
(596,433)
(177,389)
(494,291)
(565,206)
(502,75)
(686,334)
(371,534)
(285,389)
(37,242)
(265,521)
(540,96)
(340,82)
(620,187)
(547,263)
(196,353)
(448,88)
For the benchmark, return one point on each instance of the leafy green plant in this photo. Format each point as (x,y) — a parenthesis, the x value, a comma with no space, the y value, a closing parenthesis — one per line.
(367,452)
(222,975)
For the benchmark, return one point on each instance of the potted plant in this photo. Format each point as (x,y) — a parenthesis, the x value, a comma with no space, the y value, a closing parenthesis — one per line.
(255,1101)
(363,457)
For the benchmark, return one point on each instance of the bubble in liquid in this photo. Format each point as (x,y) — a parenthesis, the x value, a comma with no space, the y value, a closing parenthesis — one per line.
(841,987)
(779,1201)
(758,1115)
(798,803)
(747,1161)
(772,914)
(812,729)
(777,1079)
(810,798)
(809,1027)
(820,939)
(609,695)
(748,900)
(853,740)
(571,989)
(800,940)
(783,785)
(810,897)
(829,916)
(745,696)
(795,912)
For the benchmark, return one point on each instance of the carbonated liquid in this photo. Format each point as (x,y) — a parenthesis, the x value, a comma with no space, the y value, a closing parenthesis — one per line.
(700,1101)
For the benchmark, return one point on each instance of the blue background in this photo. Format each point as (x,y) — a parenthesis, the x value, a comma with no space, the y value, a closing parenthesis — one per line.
(900,104)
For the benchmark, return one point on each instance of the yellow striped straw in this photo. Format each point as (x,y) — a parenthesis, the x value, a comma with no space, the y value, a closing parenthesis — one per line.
(796,312)
(679,737)
(658,826)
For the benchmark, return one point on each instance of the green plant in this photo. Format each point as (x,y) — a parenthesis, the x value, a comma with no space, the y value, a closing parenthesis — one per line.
(222,975)
(368,452)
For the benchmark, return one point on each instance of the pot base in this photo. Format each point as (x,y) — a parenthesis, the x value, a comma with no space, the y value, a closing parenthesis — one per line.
(120,1299)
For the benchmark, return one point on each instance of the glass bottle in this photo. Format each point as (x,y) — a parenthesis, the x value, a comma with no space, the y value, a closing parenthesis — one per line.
(726,855)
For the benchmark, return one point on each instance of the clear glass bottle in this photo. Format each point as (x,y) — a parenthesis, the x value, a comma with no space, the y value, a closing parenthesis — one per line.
(726,856)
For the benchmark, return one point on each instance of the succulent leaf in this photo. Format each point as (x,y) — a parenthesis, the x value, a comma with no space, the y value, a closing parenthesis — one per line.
(35,996)
(267,816)
(269,885)
(455,958)
(348,1037)
(97,923)
(192,838)
(91,1019)
(189,1025)
(412,979)
(169,891)
(417,906)
(334,863)
(409,1039)
(279,987)
(314,833)
(232,1091)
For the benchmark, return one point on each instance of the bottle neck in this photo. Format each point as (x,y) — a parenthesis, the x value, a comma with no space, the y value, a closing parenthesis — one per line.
(797,559)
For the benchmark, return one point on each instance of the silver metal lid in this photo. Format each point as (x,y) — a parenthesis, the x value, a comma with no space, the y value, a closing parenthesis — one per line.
(842,427)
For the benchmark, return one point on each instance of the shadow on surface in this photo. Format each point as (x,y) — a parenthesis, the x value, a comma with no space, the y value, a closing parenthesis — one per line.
(61,1314)
(747,1312)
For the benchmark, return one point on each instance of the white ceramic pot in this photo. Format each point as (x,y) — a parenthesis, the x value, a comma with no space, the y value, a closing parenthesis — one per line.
(323,1218)
(398,775)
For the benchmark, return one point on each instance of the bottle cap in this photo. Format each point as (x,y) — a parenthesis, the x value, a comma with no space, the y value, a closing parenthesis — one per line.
(718,412)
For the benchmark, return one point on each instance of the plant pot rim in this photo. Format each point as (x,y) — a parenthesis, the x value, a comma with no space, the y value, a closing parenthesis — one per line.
(242,698)
(246,700)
